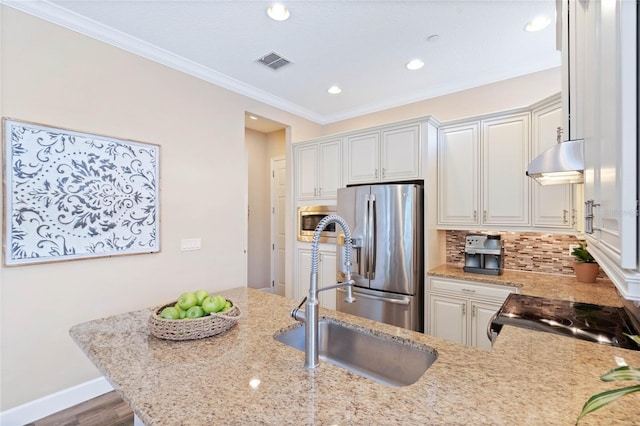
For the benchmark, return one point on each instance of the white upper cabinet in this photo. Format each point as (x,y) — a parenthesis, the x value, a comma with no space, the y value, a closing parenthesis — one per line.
(400,153)
(458,183)
(363,157)
(390,154)
(505,156)
(552,204)
(318,167)
(609,103)
(481,173)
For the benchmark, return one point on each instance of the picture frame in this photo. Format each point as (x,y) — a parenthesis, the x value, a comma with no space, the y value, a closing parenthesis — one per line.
(69,195)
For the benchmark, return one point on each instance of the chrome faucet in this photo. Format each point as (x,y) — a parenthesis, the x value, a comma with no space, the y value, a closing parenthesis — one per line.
(310,315)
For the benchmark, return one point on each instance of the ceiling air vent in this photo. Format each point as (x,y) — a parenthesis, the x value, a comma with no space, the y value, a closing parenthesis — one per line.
(273,61)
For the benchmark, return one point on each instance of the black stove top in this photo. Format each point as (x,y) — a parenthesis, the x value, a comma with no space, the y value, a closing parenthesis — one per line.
(600,324)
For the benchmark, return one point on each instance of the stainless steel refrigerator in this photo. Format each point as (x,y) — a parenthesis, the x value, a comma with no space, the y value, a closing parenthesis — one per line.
(386,223)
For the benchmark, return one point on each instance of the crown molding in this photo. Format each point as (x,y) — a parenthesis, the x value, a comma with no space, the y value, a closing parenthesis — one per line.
(60,16)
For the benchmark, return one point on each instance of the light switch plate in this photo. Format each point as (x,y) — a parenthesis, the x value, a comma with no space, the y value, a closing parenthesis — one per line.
(188,244)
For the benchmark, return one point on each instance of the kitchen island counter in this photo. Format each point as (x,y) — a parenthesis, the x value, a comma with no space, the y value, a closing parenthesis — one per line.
(244,376)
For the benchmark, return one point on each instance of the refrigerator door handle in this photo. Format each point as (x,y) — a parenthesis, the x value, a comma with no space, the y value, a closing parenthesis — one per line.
(357,294)
(372,238)
(366,244)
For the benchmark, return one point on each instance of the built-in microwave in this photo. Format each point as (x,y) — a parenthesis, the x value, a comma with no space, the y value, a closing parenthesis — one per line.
(308,219)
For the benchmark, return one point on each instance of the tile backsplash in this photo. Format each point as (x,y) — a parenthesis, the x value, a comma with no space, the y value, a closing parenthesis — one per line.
(524,251)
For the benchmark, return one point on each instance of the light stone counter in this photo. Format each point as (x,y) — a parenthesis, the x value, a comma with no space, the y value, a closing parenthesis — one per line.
(562,287)
(530,378)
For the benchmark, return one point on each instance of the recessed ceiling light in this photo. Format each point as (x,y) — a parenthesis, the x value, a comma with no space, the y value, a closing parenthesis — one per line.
(334,90)
(414,64)
(537,23)
(253,117)
(278,12)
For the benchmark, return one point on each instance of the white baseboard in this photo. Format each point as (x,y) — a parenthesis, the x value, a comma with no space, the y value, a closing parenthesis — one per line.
(45,406)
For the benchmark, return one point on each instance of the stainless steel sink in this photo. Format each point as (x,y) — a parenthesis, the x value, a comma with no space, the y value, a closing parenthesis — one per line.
(381,357)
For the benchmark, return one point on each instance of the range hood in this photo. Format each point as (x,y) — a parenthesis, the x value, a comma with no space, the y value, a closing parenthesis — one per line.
(562,163)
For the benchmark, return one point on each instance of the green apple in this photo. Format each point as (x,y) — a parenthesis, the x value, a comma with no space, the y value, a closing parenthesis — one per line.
(170,312)
(212,304)
(227,306)
(187,300)
(183,313)
(201,295)
(195,312)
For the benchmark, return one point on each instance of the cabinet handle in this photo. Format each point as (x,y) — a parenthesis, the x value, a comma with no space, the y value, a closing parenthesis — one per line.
(376,173)
(320,192)
(473,312)
(484,216)
(464,310)
(475,215)
(468,290)
(315,192)
(384,172)
(589,216)
(564,216)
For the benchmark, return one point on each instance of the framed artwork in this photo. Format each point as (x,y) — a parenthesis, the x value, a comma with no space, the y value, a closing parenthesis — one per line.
(71,195)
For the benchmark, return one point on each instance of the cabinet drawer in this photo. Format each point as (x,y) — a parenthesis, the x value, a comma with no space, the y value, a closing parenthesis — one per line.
(471,289)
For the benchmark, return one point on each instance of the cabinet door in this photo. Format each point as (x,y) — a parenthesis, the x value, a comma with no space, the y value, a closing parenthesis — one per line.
(458,175)
(304,274)
(362,152)
(330,169)
(481,313)
(327,277)
(611,141)
(306,159)
(447,318)
(505,156)
(400,153)
(552,204)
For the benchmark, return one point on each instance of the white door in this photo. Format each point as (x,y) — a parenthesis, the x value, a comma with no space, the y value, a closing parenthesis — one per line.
(447,318)
(482,312)
(278,228)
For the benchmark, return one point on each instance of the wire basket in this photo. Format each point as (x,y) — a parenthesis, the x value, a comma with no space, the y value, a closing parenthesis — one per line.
(192,328)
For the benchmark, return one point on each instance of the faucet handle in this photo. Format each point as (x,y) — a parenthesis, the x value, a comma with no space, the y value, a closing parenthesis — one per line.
(302,303)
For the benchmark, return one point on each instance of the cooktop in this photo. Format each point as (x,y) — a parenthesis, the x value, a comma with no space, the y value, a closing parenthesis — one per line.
(600,324)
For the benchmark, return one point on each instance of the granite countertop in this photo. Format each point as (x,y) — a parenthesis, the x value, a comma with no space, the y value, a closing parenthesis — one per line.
(530,378)
(563,287)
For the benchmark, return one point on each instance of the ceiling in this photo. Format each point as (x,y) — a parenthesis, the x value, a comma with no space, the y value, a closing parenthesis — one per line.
(361,46)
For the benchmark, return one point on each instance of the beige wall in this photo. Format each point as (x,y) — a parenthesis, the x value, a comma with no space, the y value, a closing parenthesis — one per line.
(54,76)
(508,94)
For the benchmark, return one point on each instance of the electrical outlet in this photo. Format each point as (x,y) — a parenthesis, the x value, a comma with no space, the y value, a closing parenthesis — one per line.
(571,247)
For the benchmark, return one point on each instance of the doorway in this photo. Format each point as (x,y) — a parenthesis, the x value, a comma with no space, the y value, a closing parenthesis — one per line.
(265,147)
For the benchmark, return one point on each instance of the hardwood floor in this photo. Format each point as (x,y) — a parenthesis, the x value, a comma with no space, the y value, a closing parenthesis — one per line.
(105,410)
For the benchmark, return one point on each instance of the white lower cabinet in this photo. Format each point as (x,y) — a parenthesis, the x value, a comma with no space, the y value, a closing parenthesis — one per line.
(326,276)
(460,311)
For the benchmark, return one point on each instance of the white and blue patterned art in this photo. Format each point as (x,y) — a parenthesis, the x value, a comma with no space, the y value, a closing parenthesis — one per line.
(71,195)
